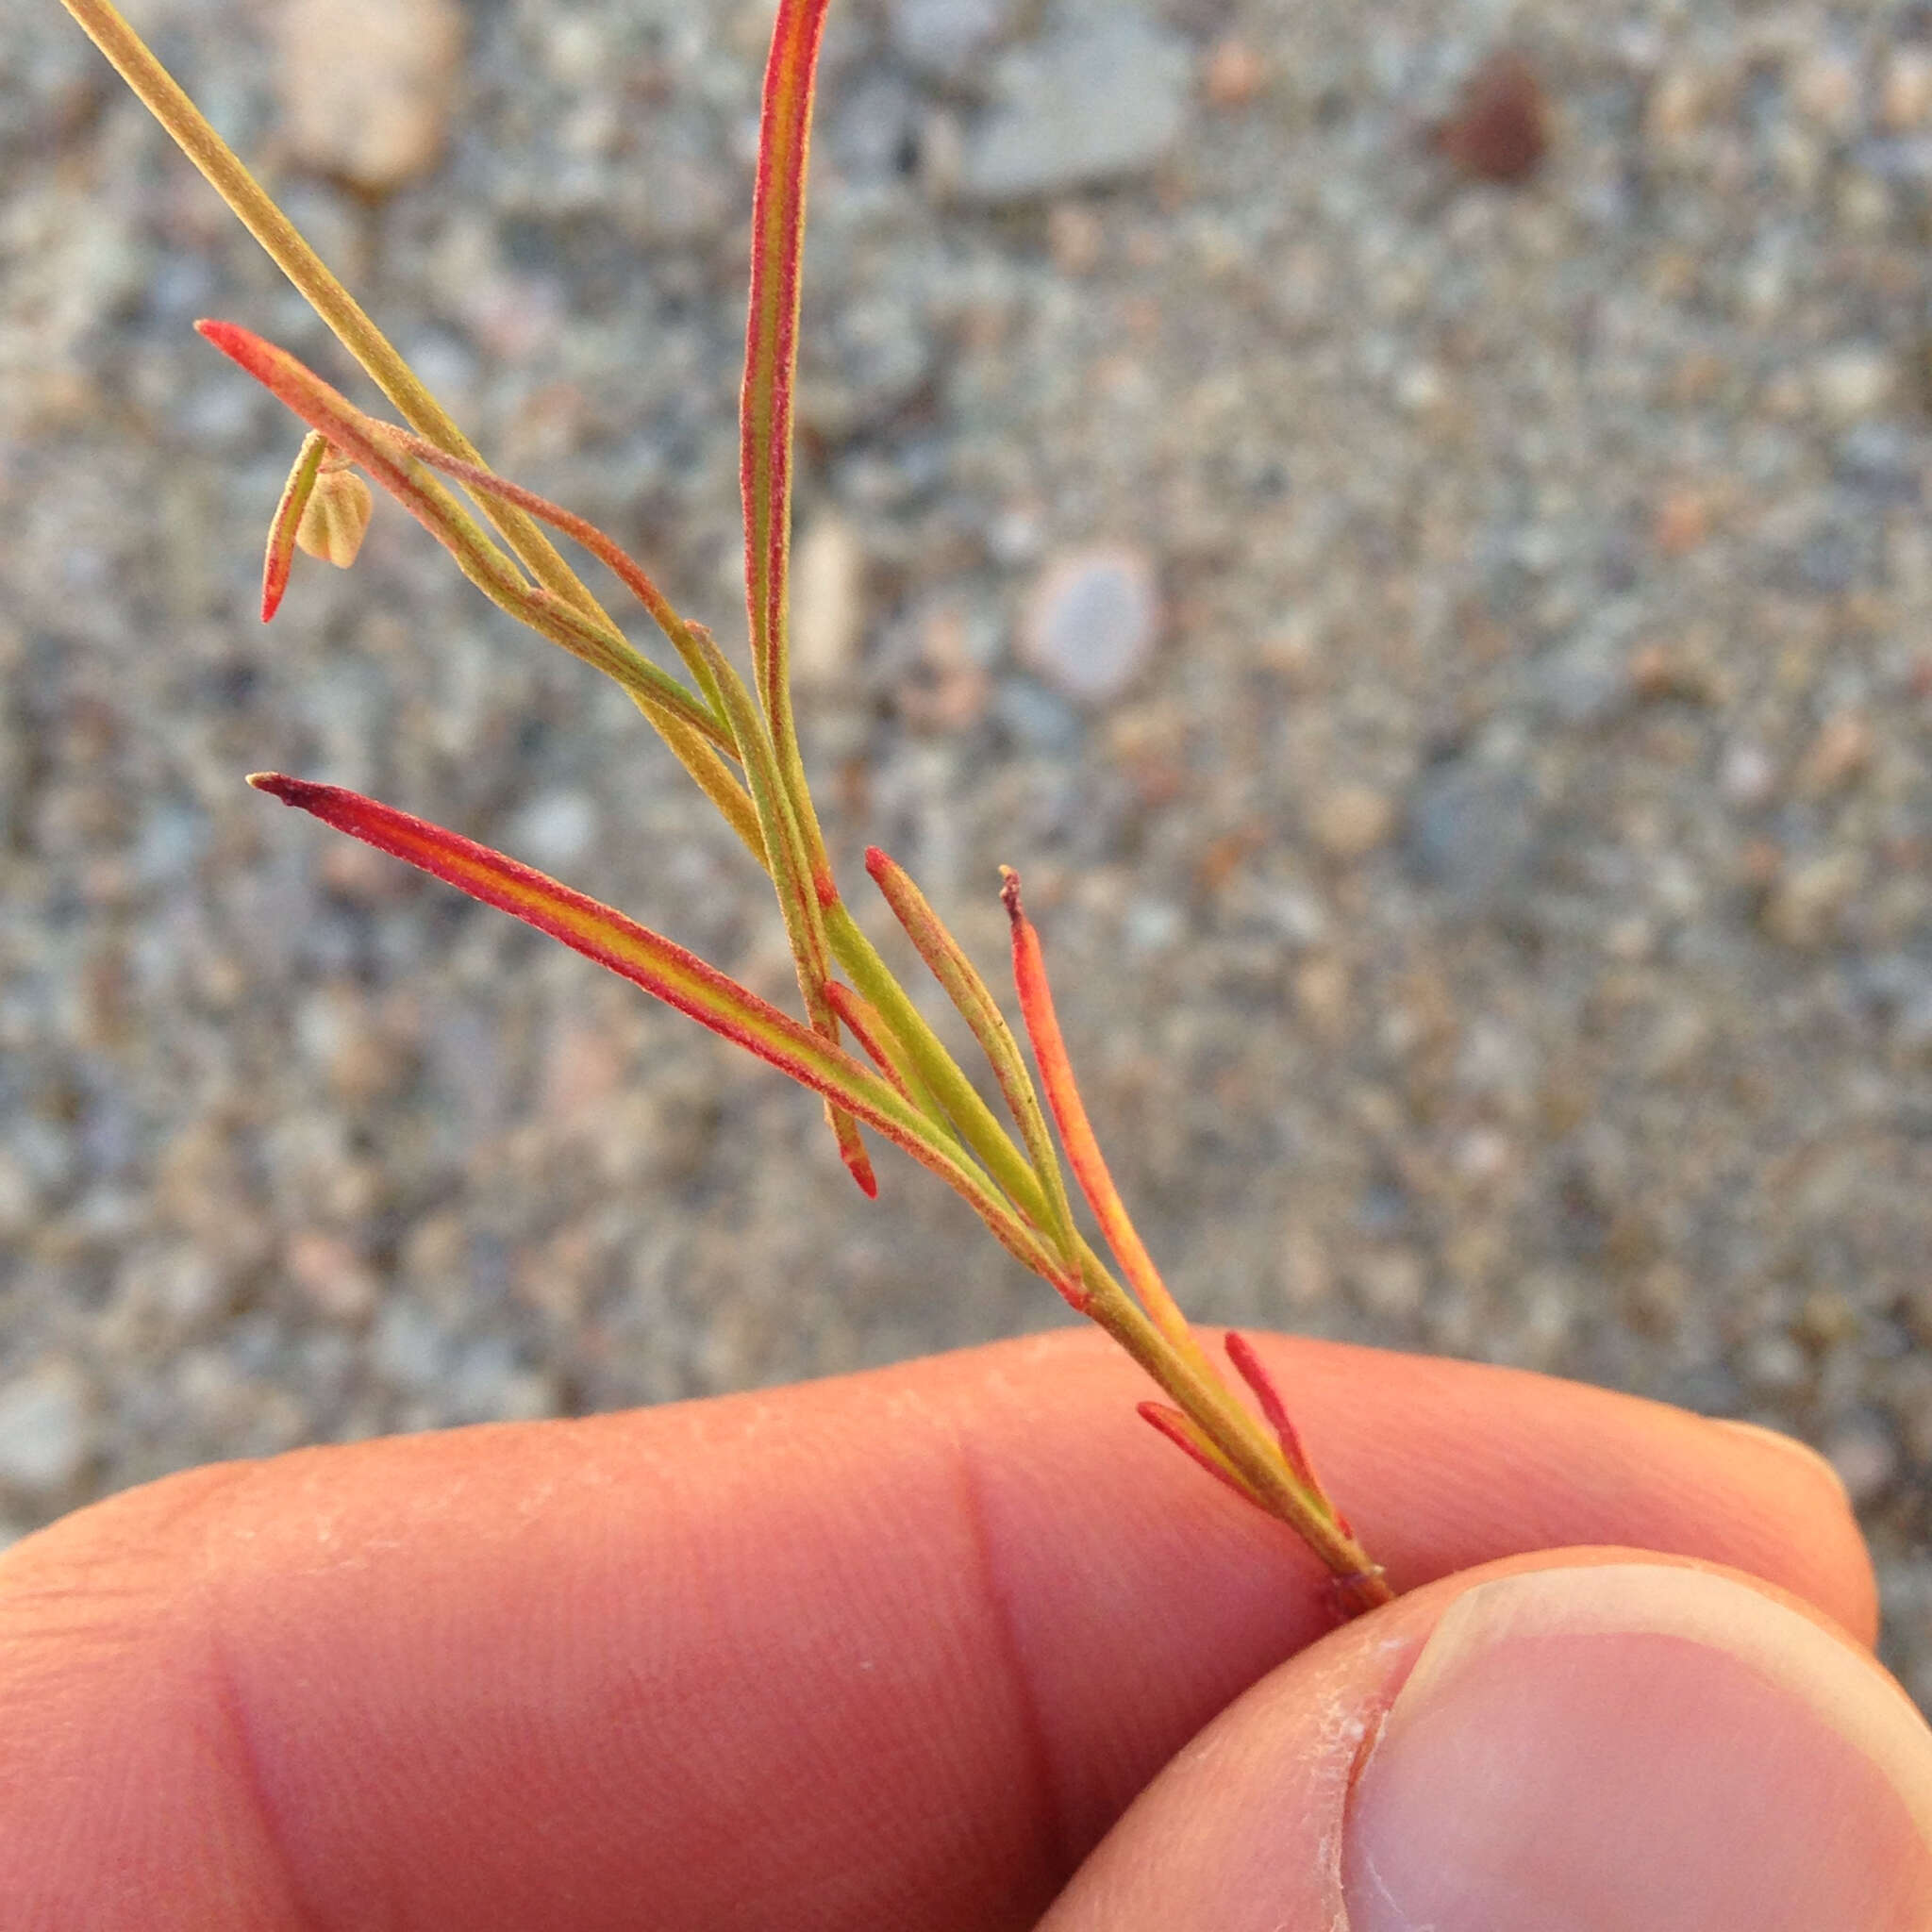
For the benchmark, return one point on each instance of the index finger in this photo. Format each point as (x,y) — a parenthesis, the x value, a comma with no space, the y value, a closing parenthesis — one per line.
(889,1649)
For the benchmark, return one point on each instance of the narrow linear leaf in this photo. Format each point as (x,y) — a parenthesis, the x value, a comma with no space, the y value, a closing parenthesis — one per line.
(280,559)
(787,862)
(1077,1132)
(770,350)
(957,1099)
(669,973)
(882,1047)
(1189,1440)
(970,993)
(770,368)
(863,1023)
(1241,1351)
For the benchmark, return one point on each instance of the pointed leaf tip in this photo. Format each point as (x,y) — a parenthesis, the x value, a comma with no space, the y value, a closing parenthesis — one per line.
(858,1165)
(1077,1132)
(226,336)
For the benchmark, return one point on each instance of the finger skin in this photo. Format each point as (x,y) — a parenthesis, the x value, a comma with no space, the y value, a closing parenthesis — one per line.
(889,1649)
(1244,1830)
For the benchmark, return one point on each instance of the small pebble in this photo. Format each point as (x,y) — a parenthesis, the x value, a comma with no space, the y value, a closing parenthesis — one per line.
(19,1203)
(1825,90)
(1679,103)
(1351,821)
(1233,74)
(1838,755)
(1682,522)
(827,605)
(1853,383)
(1389,1282)
(1473,830)
(47,1428)
(1905,89)
(1863,1451)
(1301,1268)
(1091,103)
(1091,621)
(408,1347)
(367,86)
(1322,995)
(1074,238)
(331,1274)
(1660,673)
(1803,907)
(1499,127)
(944,37)
(554,830)
(1747,773)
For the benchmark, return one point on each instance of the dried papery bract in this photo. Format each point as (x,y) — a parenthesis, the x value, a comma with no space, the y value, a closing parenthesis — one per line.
(737,738)
(337,515)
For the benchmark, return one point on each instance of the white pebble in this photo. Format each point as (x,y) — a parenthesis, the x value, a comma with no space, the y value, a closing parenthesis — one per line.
(46,1428)
(1092,622)
(554,830)
(827,604)
(1853,383)
(366,86)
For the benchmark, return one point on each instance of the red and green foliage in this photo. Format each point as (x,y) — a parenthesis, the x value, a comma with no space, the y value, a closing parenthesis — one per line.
(737,739)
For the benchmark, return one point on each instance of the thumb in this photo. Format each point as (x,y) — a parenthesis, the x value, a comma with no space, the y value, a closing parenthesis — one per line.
(1600,1740)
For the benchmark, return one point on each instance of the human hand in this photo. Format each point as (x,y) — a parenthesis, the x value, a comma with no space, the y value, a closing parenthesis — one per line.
(899,1650)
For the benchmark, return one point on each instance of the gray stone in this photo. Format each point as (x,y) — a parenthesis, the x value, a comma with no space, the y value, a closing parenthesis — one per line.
(1093,102)
(408,1347)
(1898,989)
(1864,1451)
(1473,830)
(1880,460)
(1584,679)
(1036,718)
(943,39)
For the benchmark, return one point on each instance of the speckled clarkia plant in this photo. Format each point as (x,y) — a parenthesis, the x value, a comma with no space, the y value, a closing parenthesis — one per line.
(737,739)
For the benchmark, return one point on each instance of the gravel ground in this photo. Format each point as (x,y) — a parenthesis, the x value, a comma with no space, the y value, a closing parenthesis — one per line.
(1451,658)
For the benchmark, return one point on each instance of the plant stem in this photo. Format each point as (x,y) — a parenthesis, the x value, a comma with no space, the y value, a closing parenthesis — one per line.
(256,209)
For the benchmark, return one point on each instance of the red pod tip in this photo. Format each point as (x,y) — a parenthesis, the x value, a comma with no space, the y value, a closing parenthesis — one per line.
(859,1164)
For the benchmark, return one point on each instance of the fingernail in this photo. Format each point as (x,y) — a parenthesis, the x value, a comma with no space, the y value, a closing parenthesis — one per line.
(1640,1748)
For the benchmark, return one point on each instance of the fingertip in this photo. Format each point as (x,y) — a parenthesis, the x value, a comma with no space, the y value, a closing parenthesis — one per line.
(1650,1746)
(1599,1736)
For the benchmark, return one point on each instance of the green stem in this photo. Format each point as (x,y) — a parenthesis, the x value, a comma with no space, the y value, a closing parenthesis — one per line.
(1212,1405)
(976,1122)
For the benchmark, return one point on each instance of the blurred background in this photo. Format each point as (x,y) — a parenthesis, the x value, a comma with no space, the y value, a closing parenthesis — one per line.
(1406,521)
